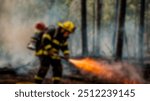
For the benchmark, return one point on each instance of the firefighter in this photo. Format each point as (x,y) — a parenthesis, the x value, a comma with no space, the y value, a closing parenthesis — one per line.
(52,41)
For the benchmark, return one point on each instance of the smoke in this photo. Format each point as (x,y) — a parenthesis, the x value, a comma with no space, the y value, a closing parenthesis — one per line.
(14,33)
(17,21)
(127,71)
(17,26)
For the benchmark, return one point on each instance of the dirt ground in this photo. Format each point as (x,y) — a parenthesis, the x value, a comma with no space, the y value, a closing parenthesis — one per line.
(29,79)
(10,77)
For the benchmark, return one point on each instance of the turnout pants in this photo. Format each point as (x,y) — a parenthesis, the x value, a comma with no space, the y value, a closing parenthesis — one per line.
(45,62)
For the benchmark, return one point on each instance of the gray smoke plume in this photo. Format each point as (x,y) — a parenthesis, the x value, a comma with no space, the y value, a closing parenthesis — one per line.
(18,18)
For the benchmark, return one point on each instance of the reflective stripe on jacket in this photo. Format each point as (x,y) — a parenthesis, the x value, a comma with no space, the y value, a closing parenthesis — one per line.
(52,42)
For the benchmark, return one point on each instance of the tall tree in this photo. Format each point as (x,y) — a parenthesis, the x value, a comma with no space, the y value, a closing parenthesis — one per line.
(141,30)
(121,31)
(115,25)
(84,27)
(98,15)
(147,25)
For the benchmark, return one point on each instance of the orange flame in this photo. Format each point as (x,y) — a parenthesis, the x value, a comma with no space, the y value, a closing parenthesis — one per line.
(99,69)
(91,66)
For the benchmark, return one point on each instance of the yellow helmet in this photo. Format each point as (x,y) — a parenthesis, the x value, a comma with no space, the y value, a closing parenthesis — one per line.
(67,25)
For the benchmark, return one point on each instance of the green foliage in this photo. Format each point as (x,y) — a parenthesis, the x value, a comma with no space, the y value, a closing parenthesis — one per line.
(108,10)
(68,2)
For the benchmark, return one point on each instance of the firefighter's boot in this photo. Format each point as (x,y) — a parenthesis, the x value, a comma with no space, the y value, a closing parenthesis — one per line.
(56,80)
(38,80)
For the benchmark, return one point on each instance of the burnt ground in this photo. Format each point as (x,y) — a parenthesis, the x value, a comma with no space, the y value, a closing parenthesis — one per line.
(9,76)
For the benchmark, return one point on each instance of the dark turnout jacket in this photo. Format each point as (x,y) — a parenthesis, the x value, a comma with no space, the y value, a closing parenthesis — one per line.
(50,42)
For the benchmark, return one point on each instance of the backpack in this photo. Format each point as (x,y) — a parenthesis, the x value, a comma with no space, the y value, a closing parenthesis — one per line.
(36,42)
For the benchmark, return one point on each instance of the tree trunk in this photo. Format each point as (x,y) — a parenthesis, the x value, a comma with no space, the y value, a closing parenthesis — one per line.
(84,27)
(115,25)
(121,29)
(97,24)
(141,30)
